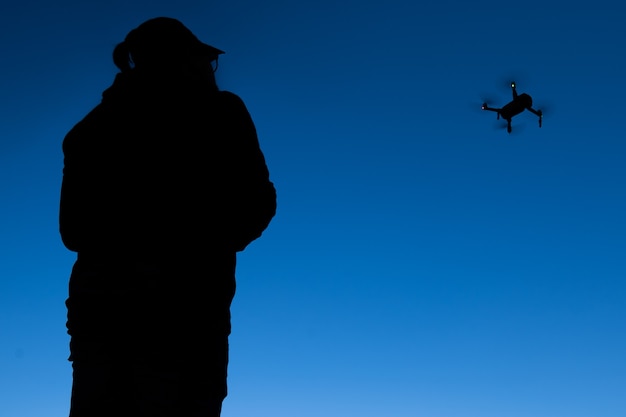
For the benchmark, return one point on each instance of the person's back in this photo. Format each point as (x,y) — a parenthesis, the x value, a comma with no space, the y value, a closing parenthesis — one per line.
(164,182)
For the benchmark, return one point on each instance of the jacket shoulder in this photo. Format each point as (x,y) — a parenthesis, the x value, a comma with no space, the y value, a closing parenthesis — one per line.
(230,99)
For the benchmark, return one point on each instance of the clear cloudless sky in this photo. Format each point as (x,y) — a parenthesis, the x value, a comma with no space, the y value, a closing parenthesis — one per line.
(422,263)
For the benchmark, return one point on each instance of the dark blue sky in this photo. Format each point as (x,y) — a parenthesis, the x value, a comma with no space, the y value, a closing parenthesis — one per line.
(422,262)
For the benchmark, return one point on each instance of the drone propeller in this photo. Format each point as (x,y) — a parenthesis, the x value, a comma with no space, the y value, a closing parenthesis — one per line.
(486,99)
(544,108)
(516,128)
(480,105)
(512,79)
(476,106)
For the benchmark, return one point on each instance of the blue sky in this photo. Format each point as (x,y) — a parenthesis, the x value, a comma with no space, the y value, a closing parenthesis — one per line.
(422,262)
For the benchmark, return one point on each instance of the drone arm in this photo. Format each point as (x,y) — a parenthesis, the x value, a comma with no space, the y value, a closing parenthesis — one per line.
(539,114)
(485,107)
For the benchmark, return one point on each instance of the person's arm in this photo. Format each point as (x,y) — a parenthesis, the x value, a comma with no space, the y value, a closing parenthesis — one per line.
(70,210)
(253,196)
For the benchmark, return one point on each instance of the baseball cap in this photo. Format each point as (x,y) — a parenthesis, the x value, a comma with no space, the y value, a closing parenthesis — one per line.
(166,37)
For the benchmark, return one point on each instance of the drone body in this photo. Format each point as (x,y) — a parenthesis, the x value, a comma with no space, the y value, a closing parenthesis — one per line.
(520,103)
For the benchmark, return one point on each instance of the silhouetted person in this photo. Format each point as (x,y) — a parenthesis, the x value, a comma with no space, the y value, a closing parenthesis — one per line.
(163,183)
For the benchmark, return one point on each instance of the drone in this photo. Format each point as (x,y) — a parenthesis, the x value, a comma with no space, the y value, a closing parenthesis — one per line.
(520,103)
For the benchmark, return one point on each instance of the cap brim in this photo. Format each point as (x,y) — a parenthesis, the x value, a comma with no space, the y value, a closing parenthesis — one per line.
(211,51)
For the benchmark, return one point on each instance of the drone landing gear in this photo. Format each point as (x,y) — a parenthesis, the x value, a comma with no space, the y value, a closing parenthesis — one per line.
(508,126)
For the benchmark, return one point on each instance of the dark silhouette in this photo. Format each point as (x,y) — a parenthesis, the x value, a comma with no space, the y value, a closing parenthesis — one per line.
(520,103)
(163,182)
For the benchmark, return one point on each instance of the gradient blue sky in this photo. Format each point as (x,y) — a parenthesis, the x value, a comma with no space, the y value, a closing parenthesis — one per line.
(422,263)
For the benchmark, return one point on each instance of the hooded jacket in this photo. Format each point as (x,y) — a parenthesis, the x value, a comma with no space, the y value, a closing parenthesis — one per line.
(161,180)
(164,169)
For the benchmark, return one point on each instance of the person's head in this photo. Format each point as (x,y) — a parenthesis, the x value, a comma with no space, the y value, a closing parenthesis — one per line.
(164,44)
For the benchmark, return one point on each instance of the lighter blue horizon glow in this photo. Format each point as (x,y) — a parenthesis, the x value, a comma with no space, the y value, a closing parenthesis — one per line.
(422,262)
